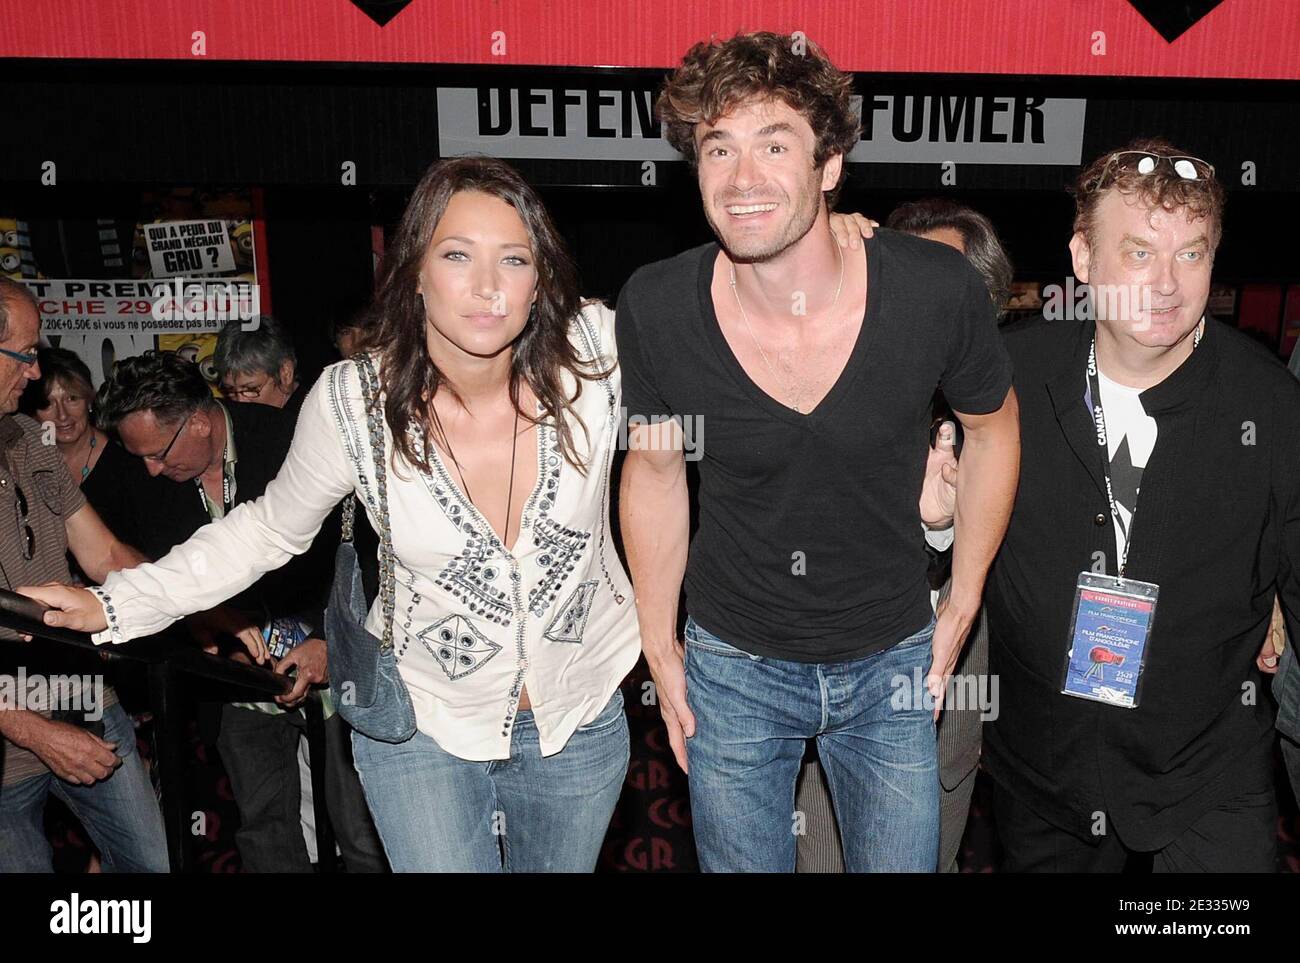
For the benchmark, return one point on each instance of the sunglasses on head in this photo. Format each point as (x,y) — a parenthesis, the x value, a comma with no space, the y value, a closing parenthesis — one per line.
(1145,162)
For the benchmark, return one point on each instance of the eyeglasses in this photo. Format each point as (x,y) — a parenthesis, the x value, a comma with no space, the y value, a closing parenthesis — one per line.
(163,457)
(24,527)
(20,357)
(1144,163)
(247,392)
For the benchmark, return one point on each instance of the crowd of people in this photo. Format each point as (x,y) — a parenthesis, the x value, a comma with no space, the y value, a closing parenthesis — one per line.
(917,545)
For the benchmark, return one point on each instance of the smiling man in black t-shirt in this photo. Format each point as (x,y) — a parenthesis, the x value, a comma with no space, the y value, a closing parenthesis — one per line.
(813,371)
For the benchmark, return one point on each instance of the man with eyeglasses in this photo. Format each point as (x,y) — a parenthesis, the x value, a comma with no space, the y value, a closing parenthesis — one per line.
(206,457)
(82,750)
(257,364)
(1158,511)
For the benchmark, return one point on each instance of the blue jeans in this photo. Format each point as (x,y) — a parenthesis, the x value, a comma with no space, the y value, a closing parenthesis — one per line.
(120,813)
(438,813)
(753,717)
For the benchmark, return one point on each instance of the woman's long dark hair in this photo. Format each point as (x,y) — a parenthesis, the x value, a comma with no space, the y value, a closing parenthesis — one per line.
(542,352)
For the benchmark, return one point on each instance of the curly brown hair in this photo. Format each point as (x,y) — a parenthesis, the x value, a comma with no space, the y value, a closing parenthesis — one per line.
(542,354)
(1163,187)
(715,77)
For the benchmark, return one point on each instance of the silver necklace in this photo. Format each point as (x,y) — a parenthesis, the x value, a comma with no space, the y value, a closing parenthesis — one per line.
(795,396)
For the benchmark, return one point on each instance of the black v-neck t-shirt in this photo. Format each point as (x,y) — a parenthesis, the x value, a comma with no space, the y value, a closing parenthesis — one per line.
(810,545)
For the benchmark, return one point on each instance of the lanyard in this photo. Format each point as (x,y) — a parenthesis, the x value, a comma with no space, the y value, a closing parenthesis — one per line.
(1099,419)
(225,488)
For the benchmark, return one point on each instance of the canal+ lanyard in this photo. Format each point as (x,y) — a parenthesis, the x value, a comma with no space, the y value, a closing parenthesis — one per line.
(225,490)
(1099,419)
(227,476)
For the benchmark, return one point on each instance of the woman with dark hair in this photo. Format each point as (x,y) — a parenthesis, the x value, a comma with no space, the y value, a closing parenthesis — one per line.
(496,404)
(63,399)
(349,325)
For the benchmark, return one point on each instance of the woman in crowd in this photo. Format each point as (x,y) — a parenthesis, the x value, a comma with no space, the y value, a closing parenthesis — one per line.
(257,363)
(62,401)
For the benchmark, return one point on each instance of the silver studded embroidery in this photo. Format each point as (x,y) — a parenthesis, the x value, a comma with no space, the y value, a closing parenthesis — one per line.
(347,422)
(548,485)
(458,646)
(110,613)
(569,624)
(405,577)
(477,578)
(449,498)
(559,550)
(592,338)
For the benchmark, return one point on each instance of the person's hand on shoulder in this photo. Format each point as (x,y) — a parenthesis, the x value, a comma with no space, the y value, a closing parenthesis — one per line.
(850,229)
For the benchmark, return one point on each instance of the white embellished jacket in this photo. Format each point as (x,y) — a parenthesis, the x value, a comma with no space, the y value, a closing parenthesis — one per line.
(473,623)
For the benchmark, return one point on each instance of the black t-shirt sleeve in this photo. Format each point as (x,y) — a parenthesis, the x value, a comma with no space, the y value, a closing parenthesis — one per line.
(977,372)
(641,394)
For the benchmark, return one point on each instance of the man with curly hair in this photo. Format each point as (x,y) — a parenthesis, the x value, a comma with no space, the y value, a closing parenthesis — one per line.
(1161,465)
(813,370)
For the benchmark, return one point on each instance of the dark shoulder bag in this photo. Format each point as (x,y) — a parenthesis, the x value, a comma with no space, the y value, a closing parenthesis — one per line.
(364,682)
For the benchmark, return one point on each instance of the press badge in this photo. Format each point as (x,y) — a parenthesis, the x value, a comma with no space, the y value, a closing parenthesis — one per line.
(1108,639)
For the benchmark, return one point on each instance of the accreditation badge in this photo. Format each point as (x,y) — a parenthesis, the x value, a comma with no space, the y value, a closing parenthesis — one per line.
(284,634)
(1108,638)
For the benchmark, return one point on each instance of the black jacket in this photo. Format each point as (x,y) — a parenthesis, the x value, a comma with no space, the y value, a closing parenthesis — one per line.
(156,514)
(1217,527)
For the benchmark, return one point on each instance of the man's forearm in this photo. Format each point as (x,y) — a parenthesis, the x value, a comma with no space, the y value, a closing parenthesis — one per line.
(97,550)
(16,724)
(118,556)
(990,470)
(654,514)
(122,555)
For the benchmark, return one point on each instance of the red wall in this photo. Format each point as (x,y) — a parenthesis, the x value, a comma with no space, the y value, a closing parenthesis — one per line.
(1239,38)
(1261,308)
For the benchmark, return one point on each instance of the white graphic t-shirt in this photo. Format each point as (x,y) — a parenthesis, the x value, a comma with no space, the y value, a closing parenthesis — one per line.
(1130,436)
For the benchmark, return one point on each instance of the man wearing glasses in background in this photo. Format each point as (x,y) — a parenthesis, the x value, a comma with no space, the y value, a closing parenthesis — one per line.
(206,457)
(257,362)
(1158,508)
(87,759)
